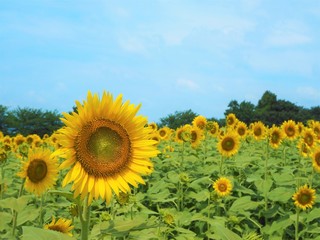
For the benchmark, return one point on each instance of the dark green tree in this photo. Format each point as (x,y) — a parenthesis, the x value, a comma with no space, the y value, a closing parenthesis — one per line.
(245,111)
(32,121)
(3,117)
(177,119)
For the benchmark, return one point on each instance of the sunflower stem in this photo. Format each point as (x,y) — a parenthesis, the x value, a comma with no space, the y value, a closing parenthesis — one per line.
(266,178)
(2,182)
(85,219)
(297,225)
(15,213)
(40,213)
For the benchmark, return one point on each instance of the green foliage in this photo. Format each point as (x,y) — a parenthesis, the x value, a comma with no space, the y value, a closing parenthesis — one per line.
(177,119)
(28,121)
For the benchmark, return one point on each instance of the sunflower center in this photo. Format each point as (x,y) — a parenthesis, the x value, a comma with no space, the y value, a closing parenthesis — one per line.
(37,170)
(228,144)
(222,187)
(103,148)
(309,140)
(275,137)
(290,131)
(305,198)
(257,131)
(241,131)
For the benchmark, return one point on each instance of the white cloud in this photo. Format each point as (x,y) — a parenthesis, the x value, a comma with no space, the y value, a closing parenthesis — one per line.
(188,84)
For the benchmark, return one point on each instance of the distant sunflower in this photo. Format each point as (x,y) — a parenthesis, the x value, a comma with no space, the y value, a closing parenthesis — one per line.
(40,171)
(196,136)
(200,122)
(229,144)
(153,126)
(290,129)
(275,136)
(107,145)
(164,133)
(316,128)
(231,120)
(183,134)
(304,198)
(258,130)
(18,140)
(241,129)
(61,225)
(303,148)
(309,137)
(316,159)
(213,128)
(300,127)
(222,186)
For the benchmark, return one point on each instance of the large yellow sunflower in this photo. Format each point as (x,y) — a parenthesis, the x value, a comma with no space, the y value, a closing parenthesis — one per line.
(229,144)
(61,225)
(222,186)
(196,136)
(304,198)
(40,170)
(316,159)
(107,145)
(309,137)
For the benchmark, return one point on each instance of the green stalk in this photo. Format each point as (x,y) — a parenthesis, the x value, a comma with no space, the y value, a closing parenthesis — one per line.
(15,213)
(85,219)
(40,214)
(297,224)
(266,178)
(221,165)
(2,182)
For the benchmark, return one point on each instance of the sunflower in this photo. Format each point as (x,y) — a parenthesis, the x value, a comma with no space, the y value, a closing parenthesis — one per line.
(153,126)
(200,122)
(40,171)
(316,159)
(275,136)
(303,148)
(196,136)
(231,120)
(107,145)
(316,128)
(290,128)
(18,140)
(258,130)
(241,129)
(213,128)
(222,186)
(309,137)
(183,134)
(229,144)
(304,198)
(61,225)
(164,133)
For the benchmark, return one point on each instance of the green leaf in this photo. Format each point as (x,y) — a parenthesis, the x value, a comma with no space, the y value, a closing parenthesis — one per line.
(243,204)
(199,196)
(313,214)
(32,233)
(124,225)
(27,214)
(5,220)
(280,194)
(279,226)
(225,233)
(16,204)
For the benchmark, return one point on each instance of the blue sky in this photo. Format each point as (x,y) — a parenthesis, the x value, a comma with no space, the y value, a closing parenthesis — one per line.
(168,55)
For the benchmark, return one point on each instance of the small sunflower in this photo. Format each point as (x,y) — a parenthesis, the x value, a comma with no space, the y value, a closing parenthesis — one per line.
(290,128)
(229,144)
(183,134)
(316,159)
(316,128)
(213,128)
(258,130)
(231,120)
(61,225)
(196,136)
(241,129)
(164,133)
(153,126)
(40,171)
(304,198)
(107,145)
(303,148)
(222,186)
(275,136)
(309,137)
(200,122)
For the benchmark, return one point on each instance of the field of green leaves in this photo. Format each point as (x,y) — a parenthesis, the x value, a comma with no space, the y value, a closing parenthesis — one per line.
(178,200)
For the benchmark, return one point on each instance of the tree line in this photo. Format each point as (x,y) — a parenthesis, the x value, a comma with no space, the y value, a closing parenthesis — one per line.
(269,110)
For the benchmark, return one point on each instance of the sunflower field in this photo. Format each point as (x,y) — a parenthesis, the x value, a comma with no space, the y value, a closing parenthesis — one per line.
(110,174)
